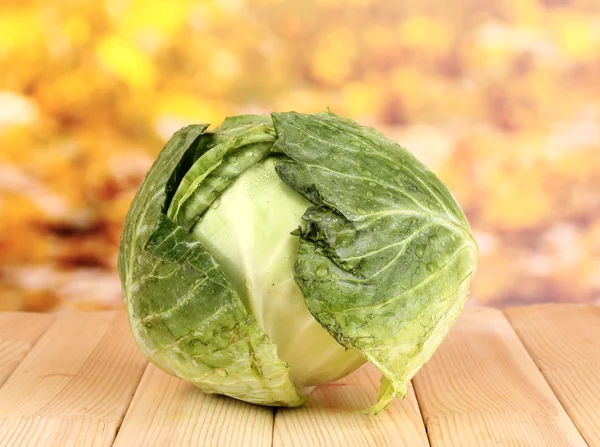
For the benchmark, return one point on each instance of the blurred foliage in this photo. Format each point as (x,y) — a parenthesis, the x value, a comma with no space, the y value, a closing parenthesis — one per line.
(500,98)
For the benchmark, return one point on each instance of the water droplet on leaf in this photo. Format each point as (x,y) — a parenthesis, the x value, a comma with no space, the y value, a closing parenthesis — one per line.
(322,271)
(420,251)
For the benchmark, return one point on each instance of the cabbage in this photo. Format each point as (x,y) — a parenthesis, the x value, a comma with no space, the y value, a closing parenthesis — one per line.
(277,253)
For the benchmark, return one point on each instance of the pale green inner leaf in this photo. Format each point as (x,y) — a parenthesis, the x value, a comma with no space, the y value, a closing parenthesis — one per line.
(248,231)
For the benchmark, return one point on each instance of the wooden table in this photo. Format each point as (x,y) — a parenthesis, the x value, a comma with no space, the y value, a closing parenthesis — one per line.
(528,376)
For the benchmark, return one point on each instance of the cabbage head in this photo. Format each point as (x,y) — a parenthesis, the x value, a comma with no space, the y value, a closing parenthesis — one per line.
(273,254)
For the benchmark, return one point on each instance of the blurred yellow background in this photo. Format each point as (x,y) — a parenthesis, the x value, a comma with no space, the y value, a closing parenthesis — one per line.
(500,98)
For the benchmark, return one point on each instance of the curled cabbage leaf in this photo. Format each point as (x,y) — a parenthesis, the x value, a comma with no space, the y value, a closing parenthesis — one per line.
(273,254)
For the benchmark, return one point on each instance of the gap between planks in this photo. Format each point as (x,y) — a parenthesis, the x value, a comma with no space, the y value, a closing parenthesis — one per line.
(564,342)
(333,417)
(75,384)
(166,411)
(481,388)
(18,333)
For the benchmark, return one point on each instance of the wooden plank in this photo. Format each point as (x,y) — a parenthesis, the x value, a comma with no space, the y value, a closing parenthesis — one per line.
(564,341)
(167,411)
(74,387)
(18,332)
(333,417)
(482,388)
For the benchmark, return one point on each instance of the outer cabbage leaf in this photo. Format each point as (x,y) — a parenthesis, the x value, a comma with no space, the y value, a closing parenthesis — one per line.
(386,255)
(184,314)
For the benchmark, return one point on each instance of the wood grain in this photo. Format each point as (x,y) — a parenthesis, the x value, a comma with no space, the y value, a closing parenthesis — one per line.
(333,417)
(18,332)
(481,388)
(75,385)
(167,411)
(564,341)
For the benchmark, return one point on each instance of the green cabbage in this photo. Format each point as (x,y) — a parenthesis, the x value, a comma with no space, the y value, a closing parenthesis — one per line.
(277,253)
